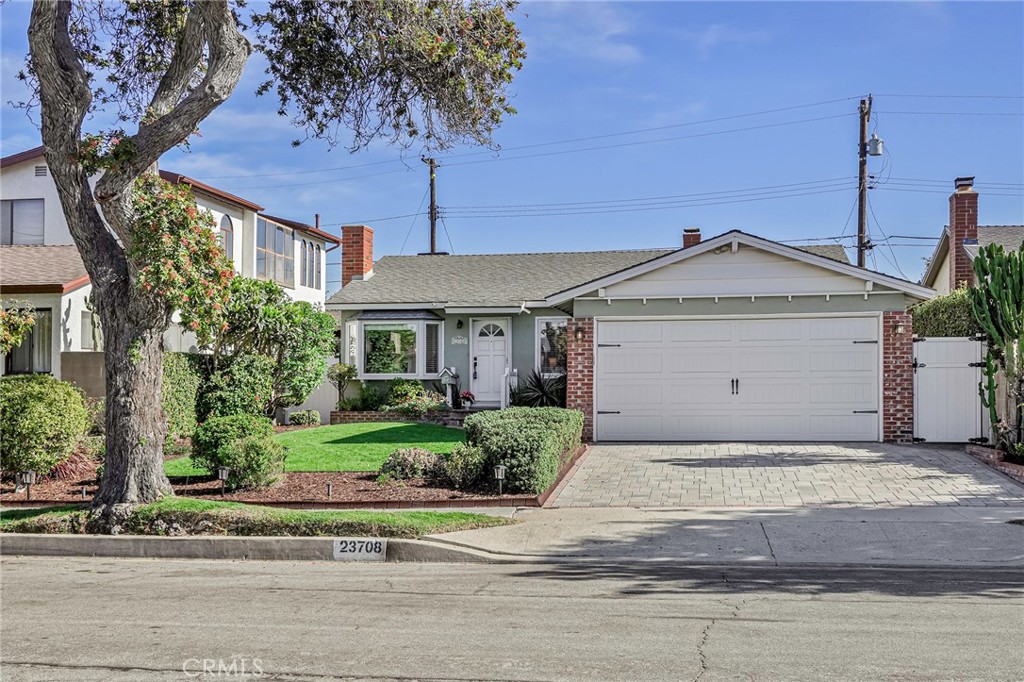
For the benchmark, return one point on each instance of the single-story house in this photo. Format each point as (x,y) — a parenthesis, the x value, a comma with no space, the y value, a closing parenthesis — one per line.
(735,337)
(952,263)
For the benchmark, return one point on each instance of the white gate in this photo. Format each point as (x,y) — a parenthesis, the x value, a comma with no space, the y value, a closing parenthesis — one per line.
(947,404)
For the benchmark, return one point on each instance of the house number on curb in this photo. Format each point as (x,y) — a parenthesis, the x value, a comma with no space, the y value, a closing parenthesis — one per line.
(360,549)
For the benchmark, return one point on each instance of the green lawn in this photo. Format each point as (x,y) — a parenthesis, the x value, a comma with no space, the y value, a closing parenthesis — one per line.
(234,518)
(347,447)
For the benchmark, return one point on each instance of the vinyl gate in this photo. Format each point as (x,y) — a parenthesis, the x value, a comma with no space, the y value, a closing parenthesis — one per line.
(947,404)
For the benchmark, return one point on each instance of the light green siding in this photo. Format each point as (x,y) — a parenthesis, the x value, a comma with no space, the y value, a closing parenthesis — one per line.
(741,306)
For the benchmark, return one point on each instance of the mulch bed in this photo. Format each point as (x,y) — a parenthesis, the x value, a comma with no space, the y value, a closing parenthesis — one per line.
(349,489)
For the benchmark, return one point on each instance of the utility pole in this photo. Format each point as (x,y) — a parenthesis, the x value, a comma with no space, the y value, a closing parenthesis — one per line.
(862,184)
(433,203)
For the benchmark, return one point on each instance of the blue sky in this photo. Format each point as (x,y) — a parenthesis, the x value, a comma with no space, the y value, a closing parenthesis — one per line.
(597,69)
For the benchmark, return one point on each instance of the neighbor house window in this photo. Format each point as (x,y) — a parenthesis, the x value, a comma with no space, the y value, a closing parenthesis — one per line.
(316,274)
(227,238)
(21,221)
(388,349)
(275,253)
(304,271)
(551,345)
(33,355)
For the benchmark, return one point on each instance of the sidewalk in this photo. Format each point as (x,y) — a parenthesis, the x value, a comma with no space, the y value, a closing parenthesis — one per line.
(932,536)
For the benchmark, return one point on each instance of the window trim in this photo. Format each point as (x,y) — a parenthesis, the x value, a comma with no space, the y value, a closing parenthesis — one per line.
(536,343)
(229,250)
(421,349)
(32,350)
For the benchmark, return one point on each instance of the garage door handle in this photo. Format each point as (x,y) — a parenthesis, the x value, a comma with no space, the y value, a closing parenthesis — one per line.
(609,345)
(865,411)
(608,412)
(875,341)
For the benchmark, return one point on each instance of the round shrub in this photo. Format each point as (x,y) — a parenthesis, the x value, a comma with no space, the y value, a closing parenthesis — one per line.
(464,466)
(304,418)
(219,432)
(411,463)
(402,390)
(41,421)
(255,462)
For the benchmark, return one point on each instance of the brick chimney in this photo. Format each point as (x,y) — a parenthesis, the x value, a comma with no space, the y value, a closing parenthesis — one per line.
(963,227)
(356,253)
(691,237)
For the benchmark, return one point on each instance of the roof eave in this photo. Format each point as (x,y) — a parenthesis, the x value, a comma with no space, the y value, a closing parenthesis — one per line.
(909,288)
(941,249)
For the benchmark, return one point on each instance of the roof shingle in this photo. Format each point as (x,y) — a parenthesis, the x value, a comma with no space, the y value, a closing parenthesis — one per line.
(42,269)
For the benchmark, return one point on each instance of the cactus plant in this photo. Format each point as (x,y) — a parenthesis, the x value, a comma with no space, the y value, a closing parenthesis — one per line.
(997,303)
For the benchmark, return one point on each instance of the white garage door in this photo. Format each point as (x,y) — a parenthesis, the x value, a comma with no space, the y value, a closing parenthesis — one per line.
(745,379)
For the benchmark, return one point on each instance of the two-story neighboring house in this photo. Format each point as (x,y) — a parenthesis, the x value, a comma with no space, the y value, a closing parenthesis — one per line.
(40,264)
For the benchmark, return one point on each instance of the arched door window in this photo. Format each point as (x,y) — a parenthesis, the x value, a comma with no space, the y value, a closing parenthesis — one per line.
(227,238)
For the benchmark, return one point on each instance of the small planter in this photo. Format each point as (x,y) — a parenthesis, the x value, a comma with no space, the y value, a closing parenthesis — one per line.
(997,460)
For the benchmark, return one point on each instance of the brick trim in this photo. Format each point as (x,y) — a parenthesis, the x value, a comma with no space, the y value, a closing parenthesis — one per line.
(579,376)
(897,378)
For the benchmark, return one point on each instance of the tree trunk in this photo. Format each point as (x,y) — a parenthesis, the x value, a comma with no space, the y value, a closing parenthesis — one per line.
(136,425)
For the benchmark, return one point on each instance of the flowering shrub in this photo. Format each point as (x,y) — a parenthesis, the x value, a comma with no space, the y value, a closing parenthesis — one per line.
(419,405)
(16,321)
(178,255)
(406,463)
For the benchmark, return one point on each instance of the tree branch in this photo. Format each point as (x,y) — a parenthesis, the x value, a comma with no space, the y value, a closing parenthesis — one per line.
(228,53)
(188,53)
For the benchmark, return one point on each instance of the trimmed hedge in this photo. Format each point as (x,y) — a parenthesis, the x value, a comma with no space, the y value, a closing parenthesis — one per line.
(255,462)
(244,386)
(949,315)
(304,418)
(531,442)
(184,374)
(41,422)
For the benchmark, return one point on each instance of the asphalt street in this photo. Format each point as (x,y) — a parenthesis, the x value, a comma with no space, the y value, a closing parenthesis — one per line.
(137,619)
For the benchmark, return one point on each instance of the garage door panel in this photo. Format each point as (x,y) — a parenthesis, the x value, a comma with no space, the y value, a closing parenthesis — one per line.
(698,362)
(634,395)
(843,329)
(688,332)
(639,332)
(773,330)
(858,395)
(852,358)
(631,363)
(758,359)
(799,379)
(698,391)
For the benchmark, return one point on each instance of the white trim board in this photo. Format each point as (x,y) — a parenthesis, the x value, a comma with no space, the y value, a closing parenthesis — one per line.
(732,240)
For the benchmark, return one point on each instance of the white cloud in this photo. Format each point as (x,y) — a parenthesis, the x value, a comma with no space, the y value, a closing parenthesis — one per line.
(707,39)
(584,30)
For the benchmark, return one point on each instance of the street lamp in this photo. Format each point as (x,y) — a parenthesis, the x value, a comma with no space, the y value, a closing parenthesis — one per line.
(222,476)
(499,476)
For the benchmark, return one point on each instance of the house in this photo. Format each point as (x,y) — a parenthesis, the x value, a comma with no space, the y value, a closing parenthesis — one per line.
(735,337)
(40,264)
(952,263)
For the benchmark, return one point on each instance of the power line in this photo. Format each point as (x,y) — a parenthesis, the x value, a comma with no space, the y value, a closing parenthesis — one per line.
(413,223)
(957,96)
(955,113)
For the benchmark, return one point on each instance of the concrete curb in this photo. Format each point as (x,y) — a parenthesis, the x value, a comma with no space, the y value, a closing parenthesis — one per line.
(221,547)
(399,550)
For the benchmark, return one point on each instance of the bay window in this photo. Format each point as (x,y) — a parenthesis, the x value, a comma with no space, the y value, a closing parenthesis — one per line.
(383,348)
(551,338)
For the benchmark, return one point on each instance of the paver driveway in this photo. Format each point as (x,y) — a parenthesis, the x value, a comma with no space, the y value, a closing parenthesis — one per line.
(769,475)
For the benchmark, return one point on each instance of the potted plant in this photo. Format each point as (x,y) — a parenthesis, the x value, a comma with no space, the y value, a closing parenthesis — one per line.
(467,398)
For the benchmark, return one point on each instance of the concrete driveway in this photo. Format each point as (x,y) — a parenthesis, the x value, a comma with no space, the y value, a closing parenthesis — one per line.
(782,475)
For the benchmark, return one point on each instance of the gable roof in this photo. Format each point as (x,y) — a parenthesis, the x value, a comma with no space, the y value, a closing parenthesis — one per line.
(504,280)
(1010,237)
(41,269)
(733,238)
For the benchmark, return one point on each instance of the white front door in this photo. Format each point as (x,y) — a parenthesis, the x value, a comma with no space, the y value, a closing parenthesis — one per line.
(783,379)
(489,359)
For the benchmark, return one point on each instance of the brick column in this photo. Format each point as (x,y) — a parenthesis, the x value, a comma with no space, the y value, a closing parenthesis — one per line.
(897,378)
(963,227)
(579,375)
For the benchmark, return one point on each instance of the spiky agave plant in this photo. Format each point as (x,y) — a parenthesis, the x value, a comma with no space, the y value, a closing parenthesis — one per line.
(538,390)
